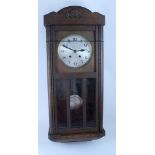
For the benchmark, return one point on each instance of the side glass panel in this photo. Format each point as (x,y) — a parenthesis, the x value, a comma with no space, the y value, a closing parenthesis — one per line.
(61,98)
(91,102)
(76,103)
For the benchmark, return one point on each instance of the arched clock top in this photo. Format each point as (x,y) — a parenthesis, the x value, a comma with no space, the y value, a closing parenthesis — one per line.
(74,15)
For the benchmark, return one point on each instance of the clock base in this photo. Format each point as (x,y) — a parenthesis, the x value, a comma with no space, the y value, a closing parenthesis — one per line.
(76,137)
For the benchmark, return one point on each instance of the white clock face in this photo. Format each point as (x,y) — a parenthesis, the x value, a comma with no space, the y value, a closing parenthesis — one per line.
(74,51)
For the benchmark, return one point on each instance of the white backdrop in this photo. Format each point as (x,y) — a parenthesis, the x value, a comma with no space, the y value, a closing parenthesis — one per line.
(102,146)
(135,79)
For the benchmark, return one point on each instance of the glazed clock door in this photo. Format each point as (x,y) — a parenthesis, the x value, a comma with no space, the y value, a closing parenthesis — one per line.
(76,104)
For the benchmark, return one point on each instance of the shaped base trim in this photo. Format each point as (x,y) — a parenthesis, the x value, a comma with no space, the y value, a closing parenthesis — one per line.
(76,137)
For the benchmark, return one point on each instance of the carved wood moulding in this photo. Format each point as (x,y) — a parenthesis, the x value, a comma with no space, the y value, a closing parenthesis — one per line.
(74,15)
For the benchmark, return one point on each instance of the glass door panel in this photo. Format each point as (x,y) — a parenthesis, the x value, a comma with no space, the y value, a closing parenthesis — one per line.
(61,98)
(91,102)
(76,103)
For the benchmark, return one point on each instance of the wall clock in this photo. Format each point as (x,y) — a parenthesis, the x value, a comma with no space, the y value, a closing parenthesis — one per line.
(74,37)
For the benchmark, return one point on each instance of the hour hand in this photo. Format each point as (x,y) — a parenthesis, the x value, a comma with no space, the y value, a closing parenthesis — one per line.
(81,50)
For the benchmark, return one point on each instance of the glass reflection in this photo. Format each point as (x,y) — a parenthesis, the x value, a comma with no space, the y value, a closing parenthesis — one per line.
(91,102)
(61,97)
(76,103)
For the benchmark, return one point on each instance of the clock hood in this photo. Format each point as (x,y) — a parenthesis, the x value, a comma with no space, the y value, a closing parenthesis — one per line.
(74,15)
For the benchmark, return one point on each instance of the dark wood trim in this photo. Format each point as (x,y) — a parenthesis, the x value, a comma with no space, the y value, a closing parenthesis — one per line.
(76,137)
(84,102)
(97,78)
(53,49)
(49,79)
(76,130)
(74,28)
(49,88)
(101,77)
(68,105)
(74,75)
(51,70)
(74,15)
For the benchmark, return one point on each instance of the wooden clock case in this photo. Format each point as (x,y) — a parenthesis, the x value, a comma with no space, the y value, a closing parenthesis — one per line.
(74,20)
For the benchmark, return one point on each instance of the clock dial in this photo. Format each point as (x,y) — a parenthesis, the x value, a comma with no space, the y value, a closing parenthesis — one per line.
(74,51)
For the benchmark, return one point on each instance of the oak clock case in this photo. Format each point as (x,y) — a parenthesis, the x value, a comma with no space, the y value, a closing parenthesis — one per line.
(74,38)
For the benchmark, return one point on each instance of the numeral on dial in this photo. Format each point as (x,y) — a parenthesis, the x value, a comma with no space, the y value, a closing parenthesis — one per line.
(75,64)
(74,39)
(85,45)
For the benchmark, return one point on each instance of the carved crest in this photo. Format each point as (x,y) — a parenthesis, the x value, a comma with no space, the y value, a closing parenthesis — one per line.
(73,14)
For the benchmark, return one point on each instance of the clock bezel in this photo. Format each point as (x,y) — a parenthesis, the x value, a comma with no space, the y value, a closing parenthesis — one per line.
(92,51)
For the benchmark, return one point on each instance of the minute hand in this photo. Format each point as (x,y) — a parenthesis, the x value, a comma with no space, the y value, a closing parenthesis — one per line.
(68,48)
